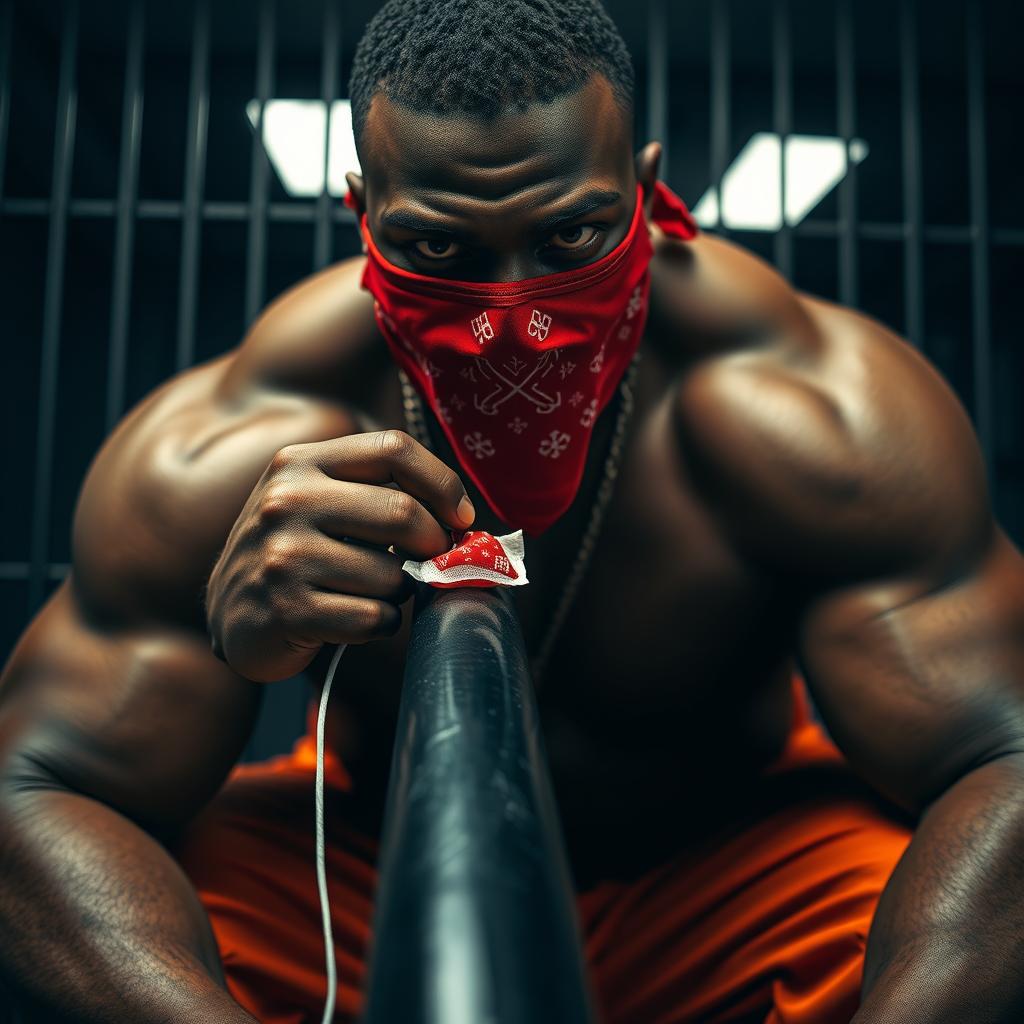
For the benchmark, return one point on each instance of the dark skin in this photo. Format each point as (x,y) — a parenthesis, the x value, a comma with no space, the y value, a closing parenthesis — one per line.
(797,479)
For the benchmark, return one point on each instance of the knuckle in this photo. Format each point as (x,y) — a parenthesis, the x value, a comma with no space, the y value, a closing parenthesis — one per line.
(370,616)
(278,502)
(374,617)
(401,510)
(287,456)
(281,557)
(449,484)
(395,444)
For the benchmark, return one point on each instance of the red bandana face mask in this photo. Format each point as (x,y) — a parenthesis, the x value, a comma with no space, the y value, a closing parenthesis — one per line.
(517,373)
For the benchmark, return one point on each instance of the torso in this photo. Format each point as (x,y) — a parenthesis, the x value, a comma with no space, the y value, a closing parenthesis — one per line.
(668,689)
(672,666)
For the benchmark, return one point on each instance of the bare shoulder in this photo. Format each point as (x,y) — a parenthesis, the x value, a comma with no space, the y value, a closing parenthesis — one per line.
(830,447)
(316,337)
(721,295)
(164,490)
(113,689)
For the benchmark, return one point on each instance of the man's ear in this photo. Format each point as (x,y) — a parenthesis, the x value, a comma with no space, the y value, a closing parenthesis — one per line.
(357,189)
(647,163)
(356,197)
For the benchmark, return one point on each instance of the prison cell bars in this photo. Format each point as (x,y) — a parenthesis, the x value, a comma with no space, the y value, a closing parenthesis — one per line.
(259,191)
(60,191)
(913,203)
(193,211)
(259,171)
(848,229)
(6,32)
(981,335)
(782,115)
(658,80)
(328,93)
(846,122)
(195,177)
(721,100)
(127,198)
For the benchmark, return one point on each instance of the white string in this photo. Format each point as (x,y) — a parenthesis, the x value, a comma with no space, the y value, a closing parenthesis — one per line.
(321,852)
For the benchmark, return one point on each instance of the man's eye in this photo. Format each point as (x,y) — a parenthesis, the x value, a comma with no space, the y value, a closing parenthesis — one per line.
(436,248)
(578,237)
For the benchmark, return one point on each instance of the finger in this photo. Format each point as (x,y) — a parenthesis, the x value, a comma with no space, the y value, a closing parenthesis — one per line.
(349,568)
(380,515)
(343,619)
(387,456)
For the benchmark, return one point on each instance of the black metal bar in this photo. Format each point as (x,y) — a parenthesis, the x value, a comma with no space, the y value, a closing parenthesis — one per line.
(25,207)
(475,916)
(10,571)
(328,93)
(846,118)
(782,103)
(721,58)
(161,209)
(60,188)
(127,197)
(984,414)
(97,208)
(259,172)
(170,209)
(940,233)
(913,251)
(305,213)
(259,189)
(657,80)
(6,31)
(195,173)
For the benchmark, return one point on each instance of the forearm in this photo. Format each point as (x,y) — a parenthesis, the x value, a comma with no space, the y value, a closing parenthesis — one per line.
(947,942)
(99,922)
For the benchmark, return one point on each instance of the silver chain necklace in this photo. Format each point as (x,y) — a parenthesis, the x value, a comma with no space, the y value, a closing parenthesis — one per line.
(416,424)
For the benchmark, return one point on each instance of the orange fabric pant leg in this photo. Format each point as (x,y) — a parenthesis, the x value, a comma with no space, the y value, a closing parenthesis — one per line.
(767,923)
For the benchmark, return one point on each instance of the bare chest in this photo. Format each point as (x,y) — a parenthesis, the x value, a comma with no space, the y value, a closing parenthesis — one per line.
(672,646)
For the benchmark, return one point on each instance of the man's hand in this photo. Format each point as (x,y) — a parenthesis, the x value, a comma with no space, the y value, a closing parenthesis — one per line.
(306,562)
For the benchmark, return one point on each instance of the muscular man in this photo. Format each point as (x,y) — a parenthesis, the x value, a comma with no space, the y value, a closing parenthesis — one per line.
(797,486)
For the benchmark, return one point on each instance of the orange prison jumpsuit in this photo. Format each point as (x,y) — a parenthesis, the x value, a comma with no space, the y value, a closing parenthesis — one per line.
(764,923)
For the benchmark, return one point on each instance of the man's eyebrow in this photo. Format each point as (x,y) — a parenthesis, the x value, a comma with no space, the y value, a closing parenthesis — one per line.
(595,200)
(587,203)
(406,219)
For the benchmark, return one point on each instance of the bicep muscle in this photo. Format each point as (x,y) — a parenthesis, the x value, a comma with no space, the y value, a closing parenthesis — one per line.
(918,688)
(145,720)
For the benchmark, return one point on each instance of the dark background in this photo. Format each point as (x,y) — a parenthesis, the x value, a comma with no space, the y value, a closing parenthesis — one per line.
(141,227)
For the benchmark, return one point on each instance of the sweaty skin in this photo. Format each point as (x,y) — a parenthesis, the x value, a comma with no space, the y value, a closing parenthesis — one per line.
(798,483)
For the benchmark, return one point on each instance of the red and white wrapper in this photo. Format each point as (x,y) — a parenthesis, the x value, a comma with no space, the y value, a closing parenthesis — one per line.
(478,559)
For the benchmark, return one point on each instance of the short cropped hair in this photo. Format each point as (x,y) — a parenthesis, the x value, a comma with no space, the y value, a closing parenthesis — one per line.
(478,58)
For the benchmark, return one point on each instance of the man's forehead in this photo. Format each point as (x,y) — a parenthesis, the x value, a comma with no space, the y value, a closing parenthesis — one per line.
(581,133)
